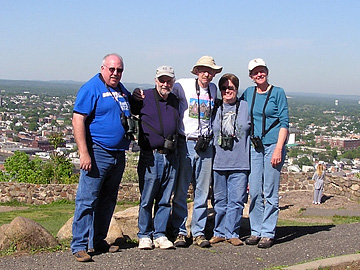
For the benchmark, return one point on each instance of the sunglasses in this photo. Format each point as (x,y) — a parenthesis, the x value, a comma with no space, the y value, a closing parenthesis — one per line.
(112,69)
(224,88)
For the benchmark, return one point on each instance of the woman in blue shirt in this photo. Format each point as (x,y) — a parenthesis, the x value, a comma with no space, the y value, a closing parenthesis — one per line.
(269,115)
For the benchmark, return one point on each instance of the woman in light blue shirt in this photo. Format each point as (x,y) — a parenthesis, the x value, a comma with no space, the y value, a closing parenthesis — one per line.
(269,115)
(231,165)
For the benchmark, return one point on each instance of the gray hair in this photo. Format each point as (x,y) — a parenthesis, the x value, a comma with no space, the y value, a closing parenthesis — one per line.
(111,54)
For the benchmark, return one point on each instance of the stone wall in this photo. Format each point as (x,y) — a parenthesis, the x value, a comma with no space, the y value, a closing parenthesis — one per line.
(333,185)
(44,194)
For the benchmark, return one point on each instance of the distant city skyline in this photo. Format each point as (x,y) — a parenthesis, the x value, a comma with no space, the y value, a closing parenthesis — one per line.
(309,46)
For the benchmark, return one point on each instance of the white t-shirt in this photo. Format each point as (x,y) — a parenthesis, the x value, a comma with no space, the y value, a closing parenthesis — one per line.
(185,90)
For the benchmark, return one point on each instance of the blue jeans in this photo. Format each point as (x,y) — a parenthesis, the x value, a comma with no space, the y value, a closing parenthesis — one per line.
(157,174)
(194,167)
(96,198)
(264,181)
(230,194)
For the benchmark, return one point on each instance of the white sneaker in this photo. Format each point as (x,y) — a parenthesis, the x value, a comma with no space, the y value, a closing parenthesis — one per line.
(145,243)
(163,243)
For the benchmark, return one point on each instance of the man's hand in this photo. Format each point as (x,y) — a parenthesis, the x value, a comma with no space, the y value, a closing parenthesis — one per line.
(138,94)
(85,162)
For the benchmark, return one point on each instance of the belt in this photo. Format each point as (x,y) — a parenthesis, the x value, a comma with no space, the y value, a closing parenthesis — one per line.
(160,151)
(192,139)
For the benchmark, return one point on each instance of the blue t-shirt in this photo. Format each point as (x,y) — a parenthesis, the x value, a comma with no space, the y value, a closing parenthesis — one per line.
(103,107)
(239,157)
(276,107)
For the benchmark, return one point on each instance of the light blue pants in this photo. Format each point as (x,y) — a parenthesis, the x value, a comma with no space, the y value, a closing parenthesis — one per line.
(229,198)
(264,181)
(194,167)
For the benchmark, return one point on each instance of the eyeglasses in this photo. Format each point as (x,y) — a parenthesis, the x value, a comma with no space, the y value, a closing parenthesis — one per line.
(112,69)
(165,80)
(224,88)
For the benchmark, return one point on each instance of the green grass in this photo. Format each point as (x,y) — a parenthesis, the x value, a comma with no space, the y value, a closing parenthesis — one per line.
(51,216)
(345,220)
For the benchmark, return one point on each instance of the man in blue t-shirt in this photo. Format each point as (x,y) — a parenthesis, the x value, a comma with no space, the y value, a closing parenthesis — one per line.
(101,107)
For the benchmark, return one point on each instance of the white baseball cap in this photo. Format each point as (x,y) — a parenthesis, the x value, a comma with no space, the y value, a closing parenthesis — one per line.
(257,62)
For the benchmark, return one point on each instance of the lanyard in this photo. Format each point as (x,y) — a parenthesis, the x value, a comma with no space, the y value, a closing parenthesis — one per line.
(263,114)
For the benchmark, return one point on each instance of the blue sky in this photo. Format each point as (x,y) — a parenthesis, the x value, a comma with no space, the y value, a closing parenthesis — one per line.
(309,45)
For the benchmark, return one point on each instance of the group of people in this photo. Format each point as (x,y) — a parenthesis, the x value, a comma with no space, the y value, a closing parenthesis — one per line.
(186,136)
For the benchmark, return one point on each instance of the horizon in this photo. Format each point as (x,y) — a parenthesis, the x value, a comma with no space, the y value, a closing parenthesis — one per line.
(309,46)
(288,94)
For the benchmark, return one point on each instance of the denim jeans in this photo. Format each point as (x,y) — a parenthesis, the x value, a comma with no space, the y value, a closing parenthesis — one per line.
(230,194)
(194,167)
(96,198)
(157,174)
(264,181)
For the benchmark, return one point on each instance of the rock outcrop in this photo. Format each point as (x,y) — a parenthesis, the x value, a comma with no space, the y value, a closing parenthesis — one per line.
(25,234)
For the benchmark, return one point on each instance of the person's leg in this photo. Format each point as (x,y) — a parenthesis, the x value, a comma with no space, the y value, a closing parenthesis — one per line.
(256,208)
(89,187)
(236,189)
(271,193)
(181,186)
(203,168)
(220,202)
(316,195)
(167,167)
(151,185)
(320,195)
(106,203)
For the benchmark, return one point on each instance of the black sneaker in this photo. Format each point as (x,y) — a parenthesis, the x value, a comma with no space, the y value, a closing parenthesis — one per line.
(82,256)
(201,241)
(252,240)
(180,241)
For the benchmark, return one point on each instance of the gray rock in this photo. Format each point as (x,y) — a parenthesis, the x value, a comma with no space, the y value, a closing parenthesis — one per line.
(25,234)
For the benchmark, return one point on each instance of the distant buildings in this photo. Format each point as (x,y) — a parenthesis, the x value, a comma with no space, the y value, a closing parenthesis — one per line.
(340,143)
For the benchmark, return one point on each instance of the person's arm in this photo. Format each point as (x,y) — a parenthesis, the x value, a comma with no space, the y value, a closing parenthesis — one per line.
(276,157)
(78,122)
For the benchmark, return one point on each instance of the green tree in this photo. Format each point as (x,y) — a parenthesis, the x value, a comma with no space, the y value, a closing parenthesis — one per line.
(20,168)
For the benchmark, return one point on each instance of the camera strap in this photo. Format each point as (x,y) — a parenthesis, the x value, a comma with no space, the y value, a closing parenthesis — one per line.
(236,114)
(197,87)
(264,132)
(117,99)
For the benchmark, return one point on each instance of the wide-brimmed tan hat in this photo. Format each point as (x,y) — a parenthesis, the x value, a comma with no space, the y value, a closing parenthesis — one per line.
(206,61)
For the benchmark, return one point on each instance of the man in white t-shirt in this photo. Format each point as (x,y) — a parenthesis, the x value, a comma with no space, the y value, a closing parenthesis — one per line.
(196,102)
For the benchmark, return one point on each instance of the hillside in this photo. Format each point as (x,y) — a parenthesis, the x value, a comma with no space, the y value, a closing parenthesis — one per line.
(51,88)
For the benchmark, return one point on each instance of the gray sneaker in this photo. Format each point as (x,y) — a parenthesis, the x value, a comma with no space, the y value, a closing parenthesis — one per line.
(201,241)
